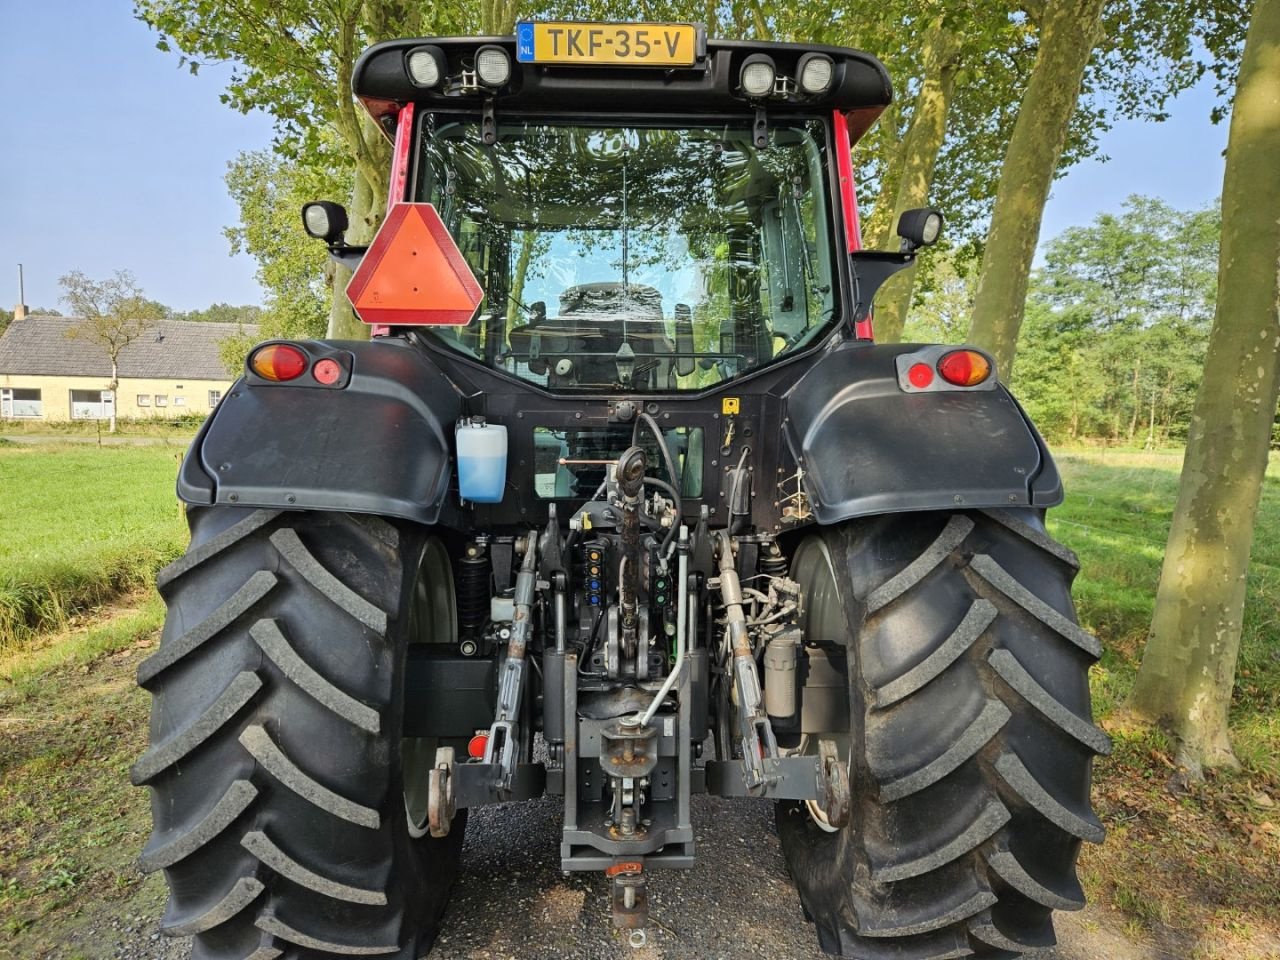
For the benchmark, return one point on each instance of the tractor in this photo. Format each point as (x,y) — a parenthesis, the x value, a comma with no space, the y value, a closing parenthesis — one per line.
(620,503)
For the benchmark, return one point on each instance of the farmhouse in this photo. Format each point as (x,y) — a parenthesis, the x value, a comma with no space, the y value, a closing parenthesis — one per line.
(171,370)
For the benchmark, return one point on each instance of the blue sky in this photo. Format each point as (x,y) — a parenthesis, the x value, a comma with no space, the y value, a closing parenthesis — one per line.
(112,157)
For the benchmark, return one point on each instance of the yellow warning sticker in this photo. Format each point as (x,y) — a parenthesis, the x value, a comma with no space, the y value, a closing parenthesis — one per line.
(730,406)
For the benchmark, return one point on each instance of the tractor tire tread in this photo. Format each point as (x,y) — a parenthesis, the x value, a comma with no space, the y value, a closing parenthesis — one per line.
(976,620)
(276,762)
(269,923)
(293,550)
(242,893)
(277,805)
(234,802)
(212,547)
(238,604)
(969,680)
(268,635)
(265,849)
(162,756)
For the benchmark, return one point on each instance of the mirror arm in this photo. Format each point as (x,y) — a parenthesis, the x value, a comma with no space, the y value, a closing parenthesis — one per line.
(347,256)
(871,268)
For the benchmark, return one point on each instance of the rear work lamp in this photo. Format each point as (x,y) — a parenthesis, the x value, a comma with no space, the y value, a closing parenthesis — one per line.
(426,66)
(815,73)
(758,75)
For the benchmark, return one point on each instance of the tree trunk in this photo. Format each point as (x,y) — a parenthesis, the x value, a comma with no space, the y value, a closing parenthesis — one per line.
(877,229)
(368,209)
(1069,32)
(1137,400)
(115,385)
(516,296)
(919,154)
(343,322)
(1188,668)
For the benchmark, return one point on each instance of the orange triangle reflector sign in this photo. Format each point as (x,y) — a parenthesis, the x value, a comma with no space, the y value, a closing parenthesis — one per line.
(414,273)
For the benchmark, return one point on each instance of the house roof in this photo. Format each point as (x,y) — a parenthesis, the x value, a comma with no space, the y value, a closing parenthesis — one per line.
(168,349)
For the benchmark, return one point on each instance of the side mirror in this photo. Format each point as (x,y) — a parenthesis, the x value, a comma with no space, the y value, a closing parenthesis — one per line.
(919,228)
(324,220)
(684,340)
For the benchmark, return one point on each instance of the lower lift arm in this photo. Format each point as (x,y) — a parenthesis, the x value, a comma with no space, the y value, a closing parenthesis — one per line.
(762,772)
(493,780)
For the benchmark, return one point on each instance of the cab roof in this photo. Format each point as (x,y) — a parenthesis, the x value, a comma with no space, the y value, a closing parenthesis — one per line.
(861,87)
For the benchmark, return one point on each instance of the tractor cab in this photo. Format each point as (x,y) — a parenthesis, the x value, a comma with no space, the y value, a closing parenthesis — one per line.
(683,206)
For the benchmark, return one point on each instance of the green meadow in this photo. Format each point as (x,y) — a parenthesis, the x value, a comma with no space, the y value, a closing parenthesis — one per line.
(79,526)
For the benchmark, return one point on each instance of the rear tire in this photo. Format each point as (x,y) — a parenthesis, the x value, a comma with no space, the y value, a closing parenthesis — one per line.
(275,766)
(970,739)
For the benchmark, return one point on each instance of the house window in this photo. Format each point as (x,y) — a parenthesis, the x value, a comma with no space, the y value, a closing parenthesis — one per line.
(214,397)
(21,403)
(144,399)
(91,404)
(162,399)
(179,401)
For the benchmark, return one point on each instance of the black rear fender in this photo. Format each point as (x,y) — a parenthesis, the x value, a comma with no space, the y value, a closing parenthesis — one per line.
(867,447)
(379,445)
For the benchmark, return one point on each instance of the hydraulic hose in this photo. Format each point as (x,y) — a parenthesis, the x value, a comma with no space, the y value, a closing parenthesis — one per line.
(667,459)
(670,491)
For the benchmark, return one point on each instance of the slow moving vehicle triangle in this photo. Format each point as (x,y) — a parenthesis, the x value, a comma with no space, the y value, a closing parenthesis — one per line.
(414,273)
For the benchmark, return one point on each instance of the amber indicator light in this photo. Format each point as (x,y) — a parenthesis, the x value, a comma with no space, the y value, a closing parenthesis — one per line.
(278,362)
(963,368)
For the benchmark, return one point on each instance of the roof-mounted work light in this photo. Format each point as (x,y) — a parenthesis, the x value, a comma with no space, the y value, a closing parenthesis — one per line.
(815,72)
(426,66)
(757,76)
(493,66)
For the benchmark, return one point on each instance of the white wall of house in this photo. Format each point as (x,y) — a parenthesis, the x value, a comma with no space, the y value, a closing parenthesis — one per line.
(29,397)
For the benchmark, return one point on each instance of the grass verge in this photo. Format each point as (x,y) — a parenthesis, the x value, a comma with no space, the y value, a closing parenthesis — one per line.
(82,525)
(71,723)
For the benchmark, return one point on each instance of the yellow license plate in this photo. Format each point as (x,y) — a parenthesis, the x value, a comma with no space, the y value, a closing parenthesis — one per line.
(626,44)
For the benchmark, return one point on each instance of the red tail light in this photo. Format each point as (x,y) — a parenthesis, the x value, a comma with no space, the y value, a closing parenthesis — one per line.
(326,371)
(278,361)
(964,368)
(920,375)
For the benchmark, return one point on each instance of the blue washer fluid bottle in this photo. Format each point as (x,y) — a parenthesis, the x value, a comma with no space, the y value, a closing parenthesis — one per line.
(482,460)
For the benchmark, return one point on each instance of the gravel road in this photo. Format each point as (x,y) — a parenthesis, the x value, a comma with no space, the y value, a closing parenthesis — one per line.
(513,903)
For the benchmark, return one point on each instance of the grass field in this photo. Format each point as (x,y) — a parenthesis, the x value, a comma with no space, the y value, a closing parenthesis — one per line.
(1188,869)
(81,525)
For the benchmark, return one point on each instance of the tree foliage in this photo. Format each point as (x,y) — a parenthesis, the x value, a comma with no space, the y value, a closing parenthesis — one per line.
(1117,323)
(221,313)
(293,269)
(294,59)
